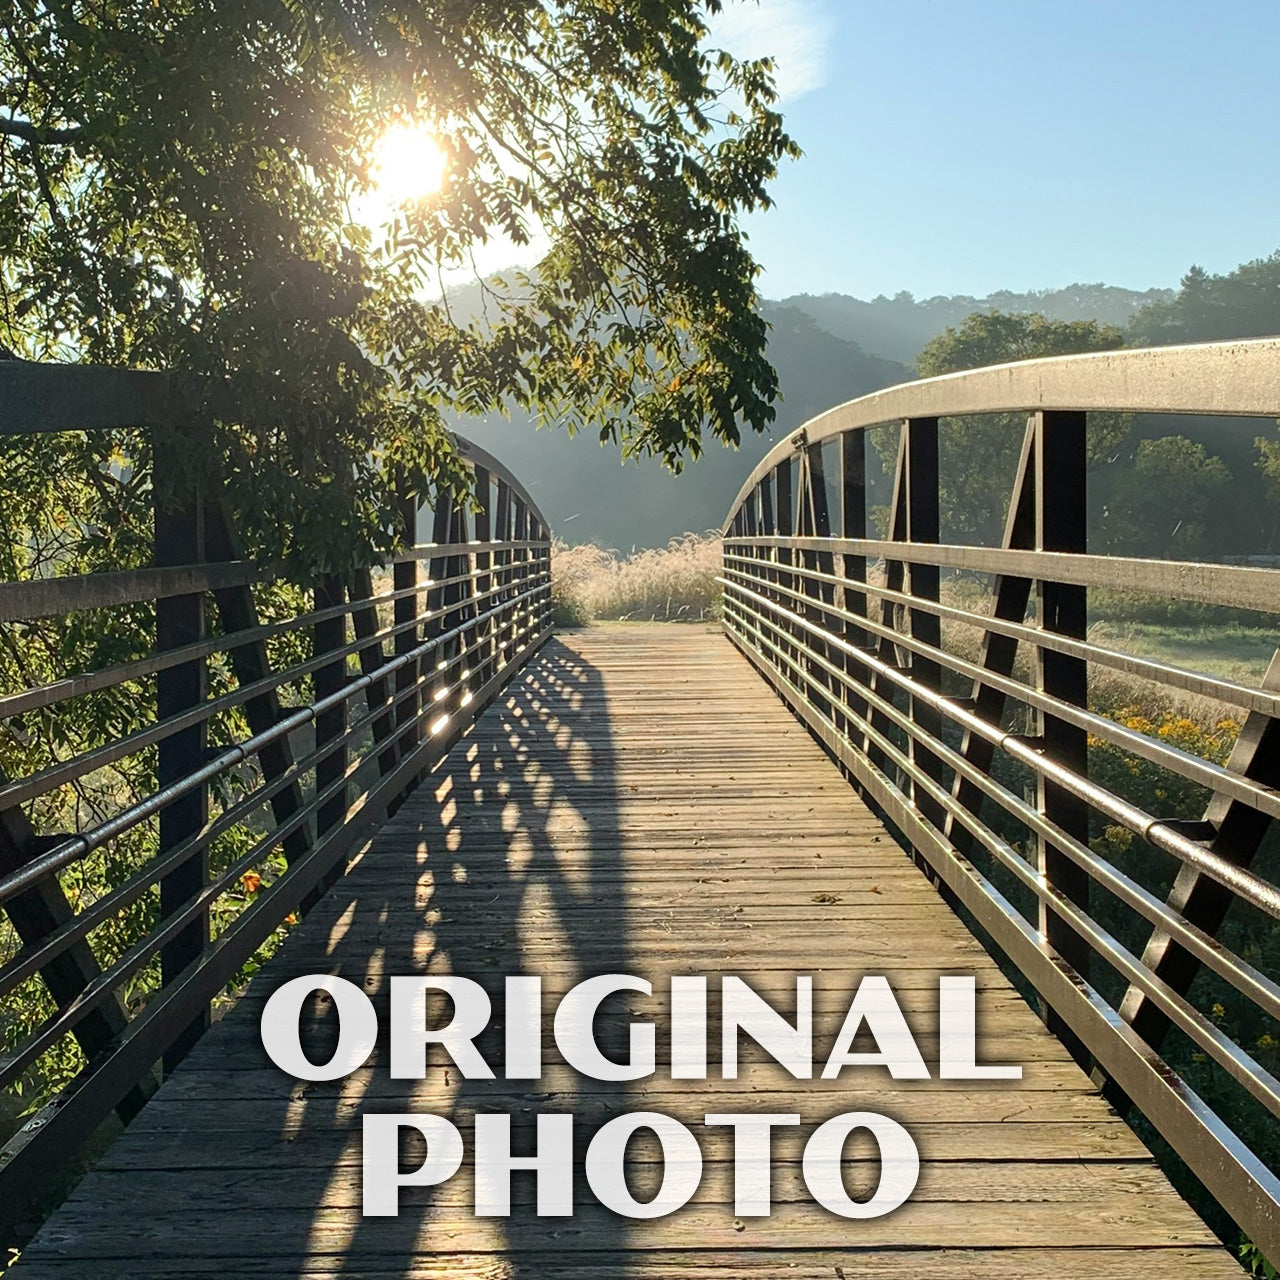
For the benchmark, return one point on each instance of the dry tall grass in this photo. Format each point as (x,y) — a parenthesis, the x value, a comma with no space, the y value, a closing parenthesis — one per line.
(675,583)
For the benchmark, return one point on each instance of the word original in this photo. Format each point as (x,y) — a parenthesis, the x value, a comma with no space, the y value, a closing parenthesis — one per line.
(873,1009)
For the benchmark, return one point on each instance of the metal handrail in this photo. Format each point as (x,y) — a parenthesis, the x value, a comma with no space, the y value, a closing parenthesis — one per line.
(931,738)
(1231,379)
(464,613)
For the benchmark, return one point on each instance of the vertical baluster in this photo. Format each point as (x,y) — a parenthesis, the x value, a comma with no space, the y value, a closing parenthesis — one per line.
(542,574)
(1238,831)
(179,539)
(535,574)
(895,580)
(802,560)
(407,576)
(768,555)
(818,523)
(853,568)
(522,568)
(331,678)
(34,915)
(784,527)
(436,613)
(483,579)
(1061,608)
(921,448)
(237,613)
(502,576)
(459,612)
(372,659)
(1009,602)
(748,561)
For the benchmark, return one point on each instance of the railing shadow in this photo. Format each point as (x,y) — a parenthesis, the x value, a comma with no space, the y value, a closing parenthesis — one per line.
(519,856)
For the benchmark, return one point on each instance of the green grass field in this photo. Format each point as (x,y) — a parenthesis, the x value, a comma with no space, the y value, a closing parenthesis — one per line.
(1230,651)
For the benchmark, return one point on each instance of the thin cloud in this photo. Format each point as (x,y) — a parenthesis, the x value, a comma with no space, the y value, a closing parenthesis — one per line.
(796,34)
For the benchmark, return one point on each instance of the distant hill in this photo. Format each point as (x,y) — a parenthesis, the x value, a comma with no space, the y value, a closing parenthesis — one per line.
(822,349)
(898,327)
(589,495)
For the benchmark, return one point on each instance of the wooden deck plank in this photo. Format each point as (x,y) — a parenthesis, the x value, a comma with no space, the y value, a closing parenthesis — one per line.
(637,802)
(743,1261)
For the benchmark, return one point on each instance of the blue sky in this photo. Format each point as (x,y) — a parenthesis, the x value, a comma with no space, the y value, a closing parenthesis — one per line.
(963,146)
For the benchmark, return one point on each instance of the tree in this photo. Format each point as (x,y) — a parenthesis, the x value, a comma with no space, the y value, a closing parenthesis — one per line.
(1162,502)
(178,183)
(998,337)
(978,454)
(1245,303)
(1267,464)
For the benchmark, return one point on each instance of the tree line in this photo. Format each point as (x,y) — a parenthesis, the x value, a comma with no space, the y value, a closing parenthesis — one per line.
(1159,484)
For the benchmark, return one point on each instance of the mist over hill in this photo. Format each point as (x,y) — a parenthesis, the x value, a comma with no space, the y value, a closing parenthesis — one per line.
(898,327)
(588,494)
(831,348)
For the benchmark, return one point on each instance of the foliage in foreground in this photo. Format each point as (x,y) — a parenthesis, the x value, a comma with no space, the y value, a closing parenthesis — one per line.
(181,188)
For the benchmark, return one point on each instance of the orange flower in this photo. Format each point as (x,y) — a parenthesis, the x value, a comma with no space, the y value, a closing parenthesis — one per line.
(252,881)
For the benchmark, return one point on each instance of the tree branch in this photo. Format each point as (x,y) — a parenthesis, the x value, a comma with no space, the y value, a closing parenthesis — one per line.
(34,134)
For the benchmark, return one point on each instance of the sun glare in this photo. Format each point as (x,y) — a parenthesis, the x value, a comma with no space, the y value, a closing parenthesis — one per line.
(407,163)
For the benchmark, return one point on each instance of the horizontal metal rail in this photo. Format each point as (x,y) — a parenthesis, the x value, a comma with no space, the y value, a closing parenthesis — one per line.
(95,837)
(1224,1160)
(31,960)
(940,712)
(1222,584)
(40,399)
(27,963)
(1204,772)
(1208,1037)
(13,1064)
(38,696)
(1174,677)
(1253,889)
(37,784)
(54,597)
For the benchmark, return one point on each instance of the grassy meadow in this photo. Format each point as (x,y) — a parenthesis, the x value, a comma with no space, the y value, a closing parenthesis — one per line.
(675,583)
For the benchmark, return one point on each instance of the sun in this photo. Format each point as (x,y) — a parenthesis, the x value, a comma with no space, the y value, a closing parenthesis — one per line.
(408,163)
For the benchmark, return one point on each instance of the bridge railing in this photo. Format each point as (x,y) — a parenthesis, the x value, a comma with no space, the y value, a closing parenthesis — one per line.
(224,774)
(1152,940)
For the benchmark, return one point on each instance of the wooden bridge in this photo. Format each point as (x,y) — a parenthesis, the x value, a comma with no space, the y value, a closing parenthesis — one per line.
(855,774)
